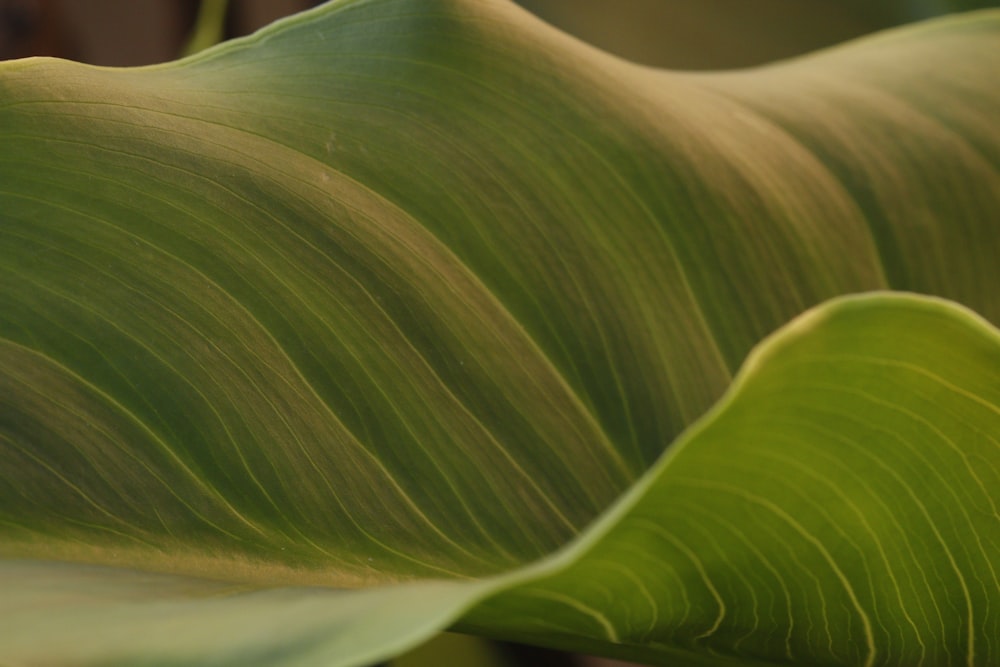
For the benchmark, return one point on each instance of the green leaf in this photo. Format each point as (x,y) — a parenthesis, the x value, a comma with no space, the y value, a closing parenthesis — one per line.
(820,514)
(55,613)
(837,507)
(401,290)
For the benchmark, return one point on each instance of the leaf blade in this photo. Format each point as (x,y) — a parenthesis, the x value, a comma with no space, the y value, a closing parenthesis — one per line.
(258,338)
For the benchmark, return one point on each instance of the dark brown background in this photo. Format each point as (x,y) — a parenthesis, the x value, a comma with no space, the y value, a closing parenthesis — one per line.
(687,34)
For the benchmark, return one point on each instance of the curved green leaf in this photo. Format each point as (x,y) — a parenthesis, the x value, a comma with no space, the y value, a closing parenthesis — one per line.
(401,289)
(839,506)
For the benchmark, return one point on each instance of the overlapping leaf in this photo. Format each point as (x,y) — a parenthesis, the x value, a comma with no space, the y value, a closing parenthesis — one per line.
(413,289)
(838,507)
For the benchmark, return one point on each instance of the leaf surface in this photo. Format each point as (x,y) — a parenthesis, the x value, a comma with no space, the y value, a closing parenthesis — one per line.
(838,506)
(406,290)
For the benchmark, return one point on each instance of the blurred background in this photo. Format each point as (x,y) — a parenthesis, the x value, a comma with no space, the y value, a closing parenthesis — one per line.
(682,34)
(679,34)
